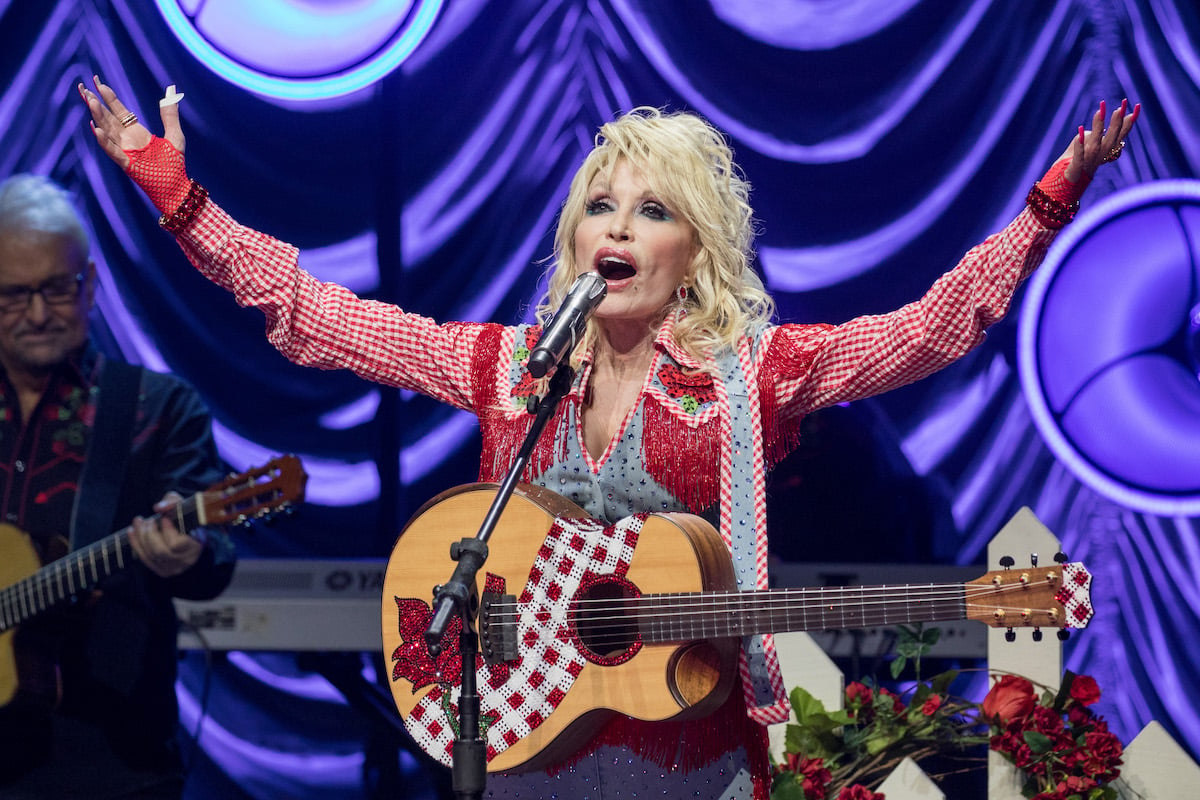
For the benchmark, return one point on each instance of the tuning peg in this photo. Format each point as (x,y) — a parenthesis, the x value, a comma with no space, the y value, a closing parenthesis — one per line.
(1063,635)
(1060,557)
(1010,635)
(1037,634)
(1033,559)
(1007,561)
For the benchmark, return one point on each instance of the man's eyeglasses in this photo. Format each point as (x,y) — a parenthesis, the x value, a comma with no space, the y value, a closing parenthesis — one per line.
(56,291)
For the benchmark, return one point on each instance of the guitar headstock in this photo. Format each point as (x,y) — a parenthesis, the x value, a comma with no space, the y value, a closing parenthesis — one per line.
(1034,597)
(254,493)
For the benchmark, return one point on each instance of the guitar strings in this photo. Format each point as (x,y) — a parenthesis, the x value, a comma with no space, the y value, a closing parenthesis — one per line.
(46,587)
(822,597)
(865,606)
(61,579)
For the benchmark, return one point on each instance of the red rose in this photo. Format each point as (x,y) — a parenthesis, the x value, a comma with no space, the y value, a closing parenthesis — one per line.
(858,697)
(932,705)
(1084,690)
(1079,716)
(897,703)
(814,778)
(858,694)
(1010,698)
(859,792)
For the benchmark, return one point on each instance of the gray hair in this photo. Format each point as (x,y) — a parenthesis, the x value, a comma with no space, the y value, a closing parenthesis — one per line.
(35,203)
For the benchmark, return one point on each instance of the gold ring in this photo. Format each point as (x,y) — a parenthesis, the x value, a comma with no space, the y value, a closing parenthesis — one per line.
(1115,153)
(128,119)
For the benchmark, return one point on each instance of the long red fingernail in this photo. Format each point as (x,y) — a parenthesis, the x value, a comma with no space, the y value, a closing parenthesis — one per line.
(1081,134)
(1124,105)
(1103,108)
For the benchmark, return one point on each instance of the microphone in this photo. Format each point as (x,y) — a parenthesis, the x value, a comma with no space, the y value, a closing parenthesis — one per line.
(562,332)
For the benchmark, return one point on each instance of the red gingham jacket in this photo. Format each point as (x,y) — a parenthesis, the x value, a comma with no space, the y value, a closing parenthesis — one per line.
(793,368)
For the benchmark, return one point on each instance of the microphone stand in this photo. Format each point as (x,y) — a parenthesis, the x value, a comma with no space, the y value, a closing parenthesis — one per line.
(468,755)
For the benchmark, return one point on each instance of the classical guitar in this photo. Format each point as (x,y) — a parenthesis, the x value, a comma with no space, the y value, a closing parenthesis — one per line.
(32,589)
(579,621)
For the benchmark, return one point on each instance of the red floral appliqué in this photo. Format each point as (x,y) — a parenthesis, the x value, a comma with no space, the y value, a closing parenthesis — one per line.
(681,384)
(527,386)
(532,335)
(413,662)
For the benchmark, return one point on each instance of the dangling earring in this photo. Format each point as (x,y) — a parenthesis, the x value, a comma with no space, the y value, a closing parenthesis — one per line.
(681,293)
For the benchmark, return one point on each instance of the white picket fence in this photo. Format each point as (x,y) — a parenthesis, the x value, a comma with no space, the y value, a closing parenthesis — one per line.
(1155,768)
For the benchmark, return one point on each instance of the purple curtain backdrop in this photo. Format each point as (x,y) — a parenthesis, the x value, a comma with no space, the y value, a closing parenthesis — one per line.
(882,138)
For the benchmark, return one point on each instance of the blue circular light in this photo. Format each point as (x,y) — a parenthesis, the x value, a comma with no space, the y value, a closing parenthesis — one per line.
(294,50)
(1107,348)
(1193,340)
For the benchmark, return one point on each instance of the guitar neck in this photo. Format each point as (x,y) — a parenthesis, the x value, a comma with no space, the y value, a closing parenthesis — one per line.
(75,573)
(705,615)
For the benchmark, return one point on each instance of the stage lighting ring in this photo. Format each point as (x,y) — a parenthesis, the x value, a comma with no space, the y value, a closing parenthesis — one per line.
(301,51)
(1107,347)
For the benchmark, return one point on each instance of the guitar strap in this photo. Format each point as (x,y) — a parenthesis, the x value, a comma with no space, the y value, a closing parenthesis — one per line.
(107,453)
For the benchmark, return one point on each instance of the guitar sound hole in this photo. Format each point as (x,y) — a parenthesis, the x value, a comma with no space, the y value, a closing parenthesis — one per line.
(604,622)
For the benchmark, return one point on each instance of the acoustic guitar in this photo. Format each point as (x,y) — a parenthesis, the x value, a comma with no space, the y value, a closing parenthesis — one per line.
(32,589)
(579,621)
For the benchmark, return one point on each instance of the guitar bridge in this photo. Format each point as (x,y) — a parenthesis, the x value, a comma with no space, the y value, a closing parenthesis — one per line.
(498,627)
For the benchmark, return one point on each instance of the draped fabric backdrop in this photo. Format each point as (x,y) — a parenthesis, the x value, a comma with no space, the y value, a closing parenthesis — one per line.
(882,137)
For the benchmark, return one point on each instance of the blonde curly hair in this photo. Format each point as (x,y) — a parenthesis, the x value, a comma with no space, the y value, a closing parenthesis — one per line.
(689,166)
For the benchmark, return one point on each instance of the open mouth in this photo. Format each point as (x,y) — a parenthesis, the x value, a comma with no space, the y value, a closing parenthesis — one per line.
(614,269)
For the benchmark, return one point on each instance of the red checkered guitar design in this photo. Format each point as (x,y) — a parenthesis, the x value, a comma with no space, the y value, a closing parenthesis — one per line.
(579,621)
(31,591)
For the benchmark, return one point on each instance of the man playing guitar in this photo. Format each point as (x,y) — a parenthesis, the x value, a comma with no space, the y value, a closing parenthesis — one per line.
(88,444)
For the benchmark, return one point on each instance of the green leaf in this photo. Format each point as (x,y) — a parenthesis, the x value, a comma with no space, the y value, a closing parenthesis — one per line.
(787,786)
(805,706)
(811,717)
(1064,691)
(810,743)
(1039,743)
(911,644)
(881,741)
(941,682)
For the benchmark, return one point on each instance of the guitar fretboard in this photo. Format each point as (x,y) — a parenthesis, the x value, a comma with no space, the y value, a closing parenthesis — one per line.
(75,573)
(702,615)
